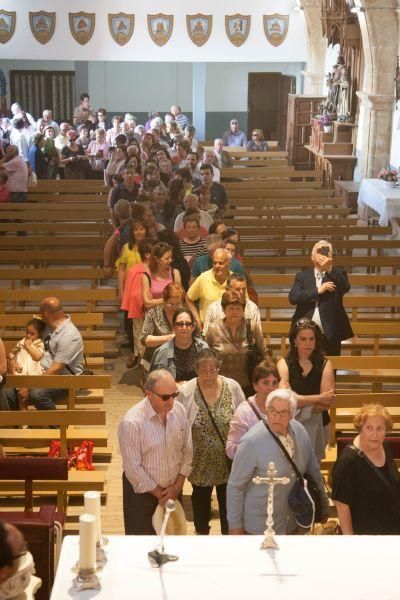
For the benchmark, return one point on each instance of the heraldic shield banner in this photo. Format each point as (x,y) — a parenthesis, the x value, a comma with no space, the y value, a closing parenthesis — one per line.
(82,26)
(160,28)
(7,25)
(121,27)
(42,25)
(199,28)
(237,28)
(276,28)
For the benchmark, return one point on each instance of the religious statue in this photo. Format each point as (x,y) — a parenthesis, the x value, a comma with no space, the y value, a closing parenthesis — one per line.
(337,101)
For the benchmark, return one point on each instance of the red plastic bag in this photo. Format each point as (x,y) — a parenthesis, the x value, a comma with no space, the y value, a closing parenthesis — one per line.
(80,458)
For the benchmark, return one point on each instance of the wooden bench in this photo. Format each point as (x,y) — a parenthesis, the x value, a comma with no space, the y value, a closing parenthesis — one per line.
(84,321)
(102,229)
(269,222)
(243,207)
(28,275)
(71,383)
(305,246)
(312,212)
(44,242)
(295,263)
(93,349)
(267,172)
(68,197)
(285,281)
(265,188)
(80,186)
(10,300)
(372,335)
(375,370)
(307,231)
(354,302)
(74,256)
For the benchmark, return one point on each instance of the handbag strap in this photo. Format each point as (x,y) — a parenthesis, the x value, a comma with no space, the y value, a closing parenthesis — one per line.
(253,408)
(249,335)
(282,447)
(377,471)
(211,416)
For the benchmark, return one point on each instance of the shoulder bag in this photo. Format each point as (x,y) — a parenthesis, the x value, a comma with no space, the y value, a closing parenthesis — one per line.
(304,497)
(228,460)
(253,354)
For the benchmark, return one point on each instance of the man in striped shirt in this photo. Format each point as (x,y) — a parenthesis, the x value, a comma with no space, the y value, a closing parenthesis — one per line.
(156,447)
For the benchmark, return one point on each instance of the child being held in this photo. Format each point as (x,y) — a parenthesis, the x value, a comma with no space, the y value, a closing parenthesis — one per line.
(25,358)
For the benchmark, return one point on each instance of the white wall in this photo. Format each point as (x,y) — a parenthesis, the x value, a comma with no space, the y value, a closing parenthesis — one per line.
(179,48)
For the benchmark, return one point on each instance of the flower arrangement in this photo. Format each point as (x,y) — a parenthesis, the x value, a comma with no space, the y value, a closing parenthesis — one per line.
(388,174)
(325,120)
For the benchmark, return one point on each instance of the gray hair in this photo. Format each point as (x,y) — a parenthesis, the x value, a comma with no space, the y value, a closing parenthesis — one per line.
(217,140)
(325,242)
(122,209)
(282,394)
(213,239)
(154,376)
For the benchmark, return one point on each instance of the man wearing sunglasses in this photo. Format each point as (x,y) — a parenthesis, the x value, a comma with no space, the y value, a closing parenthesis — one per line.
(156,447)
(234,137)
(318,294)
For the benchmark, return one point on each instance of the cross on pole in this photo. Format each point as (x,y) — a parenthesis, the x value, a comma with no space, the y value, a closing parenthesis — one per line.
(271,480)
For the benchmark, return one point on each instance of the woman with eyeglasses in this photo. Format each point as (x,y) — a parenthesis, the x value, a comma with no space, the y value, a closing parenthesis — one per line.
(309,374)
(210,400)
(257,142)
(247,501)
(231,338)
(157,327)
(178,355)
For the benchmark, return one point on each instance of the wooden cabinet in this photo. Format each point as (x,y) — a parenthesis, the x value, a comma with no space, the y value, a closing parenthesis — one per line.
(301,109)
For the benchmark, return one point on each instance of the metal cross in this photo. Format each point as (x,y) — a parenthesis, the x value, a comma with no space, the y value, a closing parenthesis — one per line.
(271,480)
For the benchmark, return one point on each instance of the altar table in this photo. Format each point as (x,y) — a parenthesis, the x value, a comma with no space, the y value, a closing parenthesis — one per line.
(235,568)
(383,199)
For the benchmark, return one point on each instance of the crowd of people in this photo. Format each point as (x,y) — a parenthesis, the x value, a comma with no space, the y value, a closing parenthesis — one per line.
(212,393)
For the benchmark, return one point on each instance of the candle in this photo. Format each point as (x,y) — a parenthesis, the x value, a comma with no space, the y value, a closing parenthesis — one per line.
(87,542)
(93,507)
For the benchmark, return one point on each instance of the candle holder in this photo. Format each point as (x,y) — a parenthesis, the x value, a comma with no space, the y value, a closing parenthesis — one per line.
(86,579)
(101,557)
(158,557)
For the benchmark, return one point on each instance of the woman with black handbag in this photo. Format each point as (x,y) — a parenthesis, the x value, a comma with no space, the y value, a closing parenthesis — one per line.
(238,342)
(365,480)
(210,401)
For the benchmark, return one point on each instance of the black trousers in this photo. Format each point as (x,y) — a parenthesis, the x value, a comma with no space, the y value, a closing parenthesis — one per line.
(201,504)
(138,510)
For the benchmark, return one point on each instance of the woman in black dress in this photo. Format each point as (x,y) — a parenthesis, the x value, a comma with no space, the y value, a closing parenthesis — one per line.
(311,376)
(365,480)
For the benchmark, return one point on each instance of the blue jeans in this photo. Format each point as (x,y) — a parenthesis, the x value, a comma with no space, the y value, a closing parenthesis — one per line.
(42,398)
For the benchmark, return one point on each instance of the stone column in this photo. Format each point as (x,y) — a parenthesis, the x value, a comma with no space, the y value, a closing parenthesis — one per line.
(314,74)
(376,132)
(378,24)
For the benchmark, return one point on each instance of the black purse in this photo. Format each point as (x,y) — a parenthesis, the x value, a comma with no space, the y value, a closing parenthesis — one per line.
(304,498)
(253,354)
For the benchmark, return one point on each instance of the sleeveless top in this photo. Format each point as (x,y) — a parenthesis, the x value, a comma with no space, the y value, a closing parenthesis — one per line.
(308,386)
(157,285)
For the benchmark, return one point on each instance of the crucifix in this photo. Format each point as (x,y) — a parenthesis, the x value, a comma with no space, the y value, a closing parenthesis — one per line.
(271,480)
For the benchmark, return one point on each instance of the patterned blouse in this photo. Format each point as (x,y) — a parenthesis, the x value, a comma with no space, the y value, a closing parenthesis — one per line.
(210,465)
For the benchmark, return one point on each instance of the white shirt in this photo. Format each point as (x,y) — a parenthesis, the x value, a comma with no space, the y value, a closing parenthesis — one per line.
(318,282)
(215,312)
(153,453)
(18,138)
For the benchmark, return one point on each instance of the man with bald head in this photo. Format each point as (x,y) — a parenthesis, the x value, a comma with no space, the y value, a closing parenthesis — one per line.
(318,294)
(156,447)
(211,284)
(63,355)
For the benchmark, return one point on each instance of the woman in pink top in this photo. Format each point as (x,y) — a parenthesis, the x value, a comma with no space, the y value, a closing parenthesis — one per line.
(265,380)
(98,151)
(161,274)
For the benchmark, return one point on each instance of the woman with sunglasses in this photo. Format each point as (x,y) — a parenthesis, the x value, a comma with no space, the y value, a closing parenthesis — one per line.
(257,142)
(309,374)
(178,355)
(210,401)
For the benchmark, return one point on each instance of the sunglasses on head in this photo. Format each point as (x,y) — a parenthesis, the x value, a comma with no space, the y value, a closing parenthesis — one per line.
(166,397)
(305,323)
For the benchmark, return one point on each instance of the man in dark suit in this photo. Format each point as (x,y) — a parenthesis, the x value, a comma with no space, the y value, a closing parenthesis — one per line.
(318,294)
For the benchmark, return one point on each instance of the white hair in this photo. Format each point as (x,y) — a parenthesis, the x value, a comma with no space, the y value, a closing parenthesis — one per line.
(282,394)
(218,140)
(15,108)
(129,117)
(156,123)
(324,242)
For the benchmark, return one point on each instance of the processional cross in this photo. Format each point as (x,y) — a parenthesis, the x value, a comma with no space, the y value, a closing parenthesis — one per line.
(271,480)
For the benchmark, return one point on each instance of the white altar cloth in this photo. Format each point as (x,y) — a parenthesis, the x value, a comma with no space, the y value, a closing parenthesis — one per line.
(382,198)
(235,568)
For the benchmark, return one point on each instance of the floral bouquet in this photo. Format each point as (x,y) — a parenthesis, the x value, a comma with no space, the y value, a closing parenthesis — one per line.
(325,120)
(388,174)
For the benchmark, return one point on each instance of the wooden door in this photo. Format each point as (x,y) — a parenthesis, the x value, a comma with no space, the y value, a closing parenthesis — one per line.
(267,104)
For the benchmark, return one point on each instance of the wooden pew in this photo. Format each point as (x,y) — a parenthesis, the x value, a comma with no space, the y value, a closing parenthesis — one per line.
(265,188)
(28,275)
(266,172)
(96,200)
(84,321)
(305,246)
(72,383)
(350,301)
(102,229)
(314,212)
(44,242)
(268,222)
(295,263)
(305,231)
(93,349)
(373,336)
(285,281)
(10,300)
(244,207)
(88,186)
(74,256)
